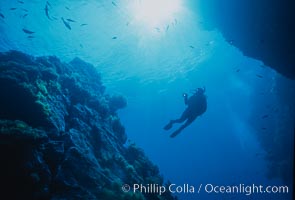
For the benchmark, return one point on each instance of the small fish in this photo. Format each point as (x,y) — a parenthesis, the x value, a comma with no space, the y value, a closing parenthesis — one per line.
(114,38)
(71,20)
(158,29)
(66,23)
(47,3)
(238,70)
(175,21)
(127,24)
(259,76)
(30,37)
(47,11)
(12,9)
(21,2)
(167,28)
(2,16)
(263,128)
(83,24)
(264,116)
(114,3)
(192,47)
(28,31)
(67,8)
(25,10)
(25,15)
(81,45)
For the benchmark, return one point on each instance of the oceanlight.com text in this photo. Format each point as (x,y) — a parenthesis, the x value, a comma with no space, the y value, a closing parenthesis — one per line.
(245,189)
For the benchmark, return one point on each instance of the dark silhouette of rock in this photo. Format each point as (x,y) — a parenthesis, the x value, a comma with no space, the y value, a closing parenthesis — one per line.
(60,135)
(263,29)
(275,130)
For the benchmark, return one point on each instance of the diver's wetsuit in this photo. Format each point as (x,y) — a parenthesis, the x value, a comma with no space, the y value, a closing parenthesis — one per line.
(196,106)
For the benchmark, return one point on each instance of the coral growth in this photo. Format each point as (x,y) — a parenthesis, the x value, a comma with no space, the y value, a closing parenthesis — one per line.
(61,137)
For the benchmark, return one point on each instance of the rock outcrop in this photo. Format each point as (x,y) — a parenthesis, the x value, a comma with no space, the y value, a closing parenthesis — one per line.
(60,135)
(274,129)
(262,29)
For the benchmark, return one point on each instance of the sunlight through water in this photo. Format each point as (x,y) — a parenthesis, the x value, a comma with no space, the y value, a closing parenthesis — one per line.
(156,13)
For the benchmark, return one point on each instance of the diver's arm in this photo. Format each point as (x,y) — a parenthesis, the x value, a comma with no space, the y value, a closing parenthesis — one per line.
(185,98)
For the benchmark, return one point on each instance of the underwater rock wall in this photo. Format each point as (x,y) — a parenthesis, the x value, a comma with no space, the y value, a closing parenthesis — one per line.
(275,128)
(262,29)
(60,135)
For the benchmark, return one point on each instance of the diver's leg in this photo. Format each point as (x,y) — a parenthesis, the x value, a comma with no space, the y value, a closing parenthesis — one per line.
(180,120)
(188,122)
(169,125)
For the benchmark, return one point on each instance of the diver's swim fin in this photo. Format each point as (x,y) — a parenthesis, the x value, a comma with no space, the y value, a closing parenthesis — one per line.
(175,133)
(168,126)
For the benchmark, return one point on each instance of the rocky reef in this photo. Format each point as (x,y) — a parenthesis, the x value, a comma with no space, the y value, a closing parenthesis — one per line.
(274,129)
(60,135)
(262,29)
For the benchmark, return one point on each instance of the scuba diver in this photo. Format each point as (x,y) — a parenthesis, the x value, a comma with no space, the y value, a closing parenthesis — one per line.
(196,106)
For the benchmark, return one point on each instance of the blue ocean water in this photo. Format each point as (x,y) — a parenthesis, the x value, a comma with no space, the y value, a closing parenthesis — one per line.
(152,59)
